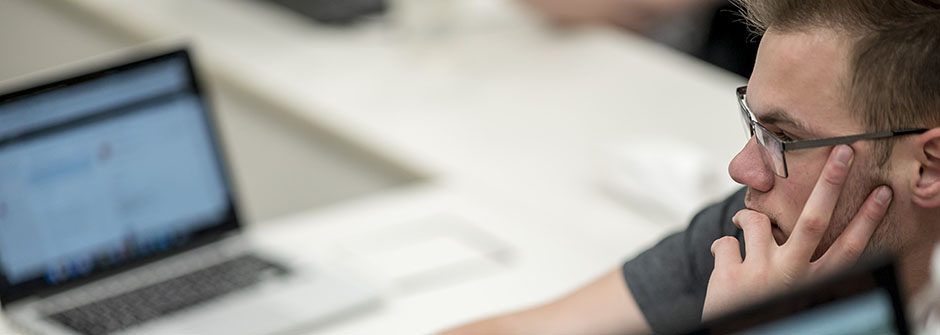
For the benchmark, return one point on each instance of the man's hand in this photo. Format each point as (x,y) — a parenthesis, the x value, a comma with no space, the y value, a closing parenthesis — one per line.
(770,268)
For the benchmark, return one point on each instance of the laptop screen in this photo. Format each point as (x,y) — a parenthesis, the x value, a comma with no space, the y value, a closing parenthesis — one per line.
(863,300)
(867,313)
(105,169)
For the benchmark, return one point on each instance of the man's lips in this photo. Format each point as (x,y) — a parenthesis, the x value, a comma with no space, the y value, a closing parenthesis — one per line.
(779,236)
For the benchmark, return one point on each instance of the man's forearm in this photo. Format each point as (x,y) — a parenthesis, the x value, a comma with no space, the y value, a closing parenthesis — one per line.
(605,306)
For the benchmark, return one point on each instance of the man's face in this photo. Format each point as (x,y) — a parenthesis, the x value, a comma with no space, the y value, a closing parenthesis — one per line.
(797,91)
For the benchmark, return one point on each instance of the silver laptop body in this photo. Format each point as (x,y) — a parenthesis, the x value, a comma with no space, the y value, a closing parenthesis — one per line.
(117,215)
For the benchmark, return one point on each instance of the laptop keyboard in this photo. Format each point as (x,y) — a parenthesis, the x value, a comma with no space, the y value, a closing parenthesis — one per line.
(149,302)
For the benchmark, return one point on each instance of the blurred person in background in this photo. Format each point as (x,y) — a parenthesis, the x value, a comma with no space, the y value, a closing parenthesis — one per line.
(842,163)
(711,30)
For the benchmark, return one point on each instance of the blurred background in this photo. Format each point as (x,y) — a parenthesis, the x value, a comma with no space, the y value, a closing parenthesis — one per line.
(283,166)
(268,148)
(575,133)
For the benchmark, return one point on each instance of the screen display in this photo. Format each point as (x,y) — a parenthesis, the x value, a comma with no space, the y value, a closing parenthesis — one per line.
(105,170)
(863,299)
(869,313)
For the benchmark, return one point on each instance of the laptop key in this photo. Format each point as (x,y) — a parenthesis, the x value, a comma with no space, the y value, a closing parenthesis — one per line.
(146,303)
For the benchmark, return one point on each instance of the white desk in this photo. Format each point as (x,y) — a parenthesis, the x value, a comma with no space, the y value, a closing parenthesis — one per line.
(509,120)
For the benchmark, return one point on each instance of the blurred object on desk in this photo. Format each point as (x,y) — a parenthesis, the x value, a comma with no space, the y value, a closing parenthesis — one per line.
(335,12)
(665,177)
(427,253)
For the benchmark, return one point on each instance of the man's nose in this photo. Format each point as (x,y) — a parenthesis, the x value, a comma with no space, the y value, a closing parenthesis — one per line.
(750,169)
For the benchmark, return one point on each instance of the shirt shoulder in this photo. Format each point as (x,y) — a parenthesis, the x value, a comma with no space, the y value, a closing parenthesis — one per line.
(668,281)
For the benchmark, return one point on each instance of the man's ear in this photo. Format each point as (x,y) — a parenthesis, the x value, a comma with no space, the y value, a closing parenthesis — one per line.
(927,186)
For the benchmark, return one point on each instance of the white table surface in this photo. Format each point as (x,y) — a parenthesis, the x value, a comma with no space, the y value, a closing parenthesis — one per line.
(510,120)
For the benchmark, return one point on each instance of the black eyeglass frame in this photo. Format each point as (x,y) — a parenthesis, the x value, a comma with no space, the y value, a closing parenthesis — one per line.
(785,146)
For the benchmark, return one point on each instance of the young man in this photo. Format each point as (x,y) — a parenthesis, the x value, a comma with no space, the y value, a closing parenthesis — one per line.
(843,110)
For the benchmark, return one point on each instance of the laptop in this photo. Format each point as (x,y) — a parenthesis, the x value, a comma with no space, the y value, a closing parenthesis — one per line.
(863,300)
(117,215)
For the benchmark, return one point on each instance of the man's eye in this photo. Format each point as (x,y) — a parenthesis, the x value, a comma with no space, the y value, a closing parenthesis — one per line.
(783,136)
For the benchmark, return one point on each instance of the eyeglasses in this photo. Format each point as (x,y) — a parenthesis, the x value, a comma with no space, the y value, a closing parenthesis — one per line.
(776,149)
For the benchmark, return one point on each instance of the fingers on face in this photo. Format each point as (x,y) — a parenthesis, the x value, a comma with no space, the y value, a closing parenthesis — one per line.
(853,241)
(726,251)
(814,220)
(757,235)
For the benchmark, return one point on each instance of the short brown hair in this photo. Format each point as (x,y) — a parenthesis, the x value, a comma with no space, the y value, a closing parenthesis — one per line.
(895,58)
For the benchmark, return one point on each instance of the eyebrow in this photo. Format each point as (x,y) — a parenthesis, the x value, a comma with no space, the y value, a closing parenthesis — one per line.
(777,116)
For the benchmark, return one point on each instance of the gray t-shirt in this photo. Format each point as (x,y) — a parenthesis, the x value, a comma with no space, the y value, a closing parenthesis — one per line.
(668,281)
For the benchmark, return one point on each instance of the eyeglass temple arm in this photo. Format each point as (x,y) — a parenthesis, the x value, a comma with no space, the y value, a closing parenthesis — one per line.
(847,139)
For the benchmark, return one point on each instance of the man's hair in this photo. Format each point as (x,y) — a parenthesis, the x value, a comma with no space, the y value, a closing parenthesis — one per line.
(894,79)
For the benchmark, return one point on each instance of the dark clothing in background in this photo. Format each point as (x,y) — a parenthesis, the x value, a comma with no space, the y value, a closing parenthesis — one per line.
(729,44)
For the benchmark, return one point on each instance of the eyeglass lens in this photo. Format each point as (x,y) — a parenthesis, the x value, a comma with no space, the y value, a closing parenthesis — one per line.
(772,147)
